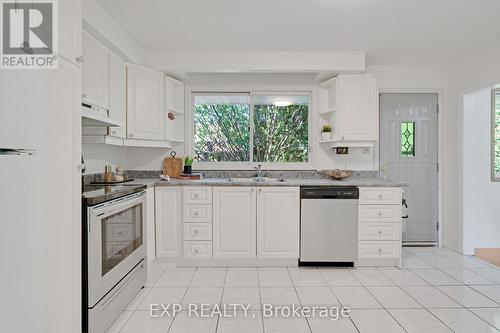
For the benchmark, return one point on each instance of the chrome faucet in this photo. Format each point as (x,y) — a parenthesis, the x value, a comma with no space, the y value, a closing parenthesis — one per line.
(259,172)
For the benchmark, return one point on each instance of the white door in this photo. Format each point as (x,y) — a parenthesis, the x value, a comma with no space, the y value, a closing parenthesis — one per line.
(234,222)
(358,116)
(117,94)
(168,207)
(95,72)
(409,152)
(145,104)
(278,212)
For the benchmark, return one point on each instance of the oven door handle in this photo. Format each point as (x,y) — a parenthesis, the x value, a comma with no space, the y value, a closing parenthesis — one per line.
(103,212)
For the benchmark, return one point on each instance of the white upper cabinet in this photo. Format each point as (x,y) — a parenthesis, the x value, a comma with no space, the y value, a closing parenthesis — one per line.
(145,104)
(234,222)
(70,30)
(117,95)
(278,212)
(95,72)
(357,108)
(174,95)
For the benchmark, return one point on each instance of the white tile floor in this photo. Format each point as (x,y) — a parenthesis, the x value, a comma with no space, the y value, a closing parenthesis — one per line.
(438,290)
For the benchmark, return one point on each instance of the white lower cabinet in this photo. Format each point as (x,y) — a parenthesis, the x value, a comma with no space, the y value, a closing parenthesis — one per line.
(168,221)
(278,214)
(198,249)
(379,225)
(234,222)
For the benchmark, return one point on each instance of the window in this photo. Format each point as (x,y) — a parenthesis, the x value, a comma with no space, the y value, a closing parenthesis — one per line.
(407,139)
(495,135)
(260,128)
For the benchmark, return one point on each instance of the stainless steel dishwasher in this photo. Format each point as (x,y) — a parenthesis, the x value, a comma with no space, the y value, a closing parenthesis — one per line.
(329,225)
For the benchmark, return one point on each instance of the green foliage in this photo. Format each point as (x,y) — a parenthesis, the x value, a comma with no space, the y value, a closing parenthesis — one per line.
(222,133)
(188,161)
(281,133)
(326,129)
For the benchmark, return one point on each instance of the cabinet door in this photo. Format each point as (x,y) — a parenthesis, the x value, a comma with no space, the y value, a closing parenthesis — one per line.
(70,30)
(95,72)
(117,94)
(145,104)
(358,109)
(234,222)
(278,222)
(168,207)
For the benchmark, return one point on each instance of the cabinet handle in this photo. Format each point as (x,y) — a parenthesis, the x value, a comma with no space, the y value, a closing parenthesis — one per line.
(380,196)
(196,251)
(380,232)
(131,135)
(196,214)
(260,190)
(379,213)
(79,60)
(196,232)
(380,251)
(196,195)
(83,95)
(252,189)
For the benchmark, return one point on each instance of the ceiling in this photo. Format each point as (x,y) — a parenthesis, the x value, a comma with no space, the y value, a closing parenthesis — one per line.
(392,32)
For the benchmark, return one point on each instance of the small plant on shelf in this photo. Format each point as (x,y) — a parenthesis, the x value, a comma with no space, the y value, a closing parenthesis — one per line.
(326,132)
(188,165)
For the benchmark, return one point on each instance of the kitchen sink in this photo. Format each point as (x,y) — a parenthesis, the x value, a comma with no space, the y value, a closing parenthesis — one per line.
(256,180)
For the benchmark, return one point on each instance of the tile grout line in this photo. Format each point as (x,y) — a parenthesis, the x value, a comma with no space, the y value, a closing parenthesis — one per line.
(297,294)
(260,301)
(185,292)
(221,298)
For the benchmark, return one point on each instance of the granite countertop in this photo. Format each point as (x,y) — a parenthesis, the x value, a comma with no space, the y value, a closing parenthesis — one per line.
(351,181)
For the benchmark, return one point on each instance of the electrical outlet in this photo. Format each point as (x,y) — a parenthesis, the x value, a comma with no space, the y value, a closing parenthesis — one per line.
(342,150)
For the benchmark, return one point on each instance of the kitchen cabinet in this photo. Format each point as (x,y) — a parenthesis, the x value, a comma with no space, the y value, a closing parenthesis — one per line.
(95,72)
(379,226)
(357,108)
(349,104)
(197,219)
(117,95)
(234,222)
(70,30)
(150,225)
(168,208)
(145,104)
(278,214)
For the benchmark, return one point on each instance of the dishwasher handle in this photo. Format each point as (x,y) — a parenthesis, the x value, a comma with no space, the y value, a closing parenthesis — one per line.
(330,192)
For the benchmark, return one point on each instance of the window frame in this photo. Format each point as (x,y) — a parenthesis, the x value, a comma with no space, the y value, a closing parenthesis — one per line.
(250,165)
(494,176)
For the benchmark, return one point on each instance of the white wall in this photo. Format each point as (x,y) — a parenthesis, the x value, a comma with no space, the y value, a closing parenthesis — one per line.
(97,156)
(468,74)
(480,195)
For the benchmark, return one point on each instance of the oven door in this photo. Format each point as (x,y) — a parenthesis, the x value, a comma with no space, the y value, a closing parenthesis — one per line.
(116,242)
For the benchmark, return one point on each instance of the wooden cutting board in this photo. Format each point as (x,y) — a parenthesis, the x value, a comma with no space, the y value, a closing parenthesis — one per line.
(172,166)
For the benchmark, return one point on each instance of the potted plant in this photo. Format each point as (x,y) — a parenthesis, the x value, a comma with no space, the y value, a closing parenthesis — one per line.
(326,132)
(188,165)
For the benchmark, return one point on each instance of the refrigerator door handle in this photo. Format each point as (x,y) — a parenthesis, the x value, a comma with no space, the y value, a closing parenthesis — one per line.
(17,152)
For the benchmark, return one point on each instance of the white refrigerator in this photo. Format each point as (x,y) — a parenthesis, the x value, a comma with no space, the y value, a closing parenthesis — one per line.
(40,151)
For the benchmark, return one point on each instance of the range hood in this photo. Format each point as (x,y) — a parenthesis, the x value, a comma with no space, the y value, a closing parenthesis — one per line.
(95,116)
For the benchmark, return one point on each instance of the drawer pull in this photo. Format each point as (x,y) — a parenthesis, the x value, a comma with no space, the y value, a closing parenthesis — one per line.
(196,195)
(379,250)
(196,214)
(379,213)
(380,232)
(196,251)
(380,196)
(196,232)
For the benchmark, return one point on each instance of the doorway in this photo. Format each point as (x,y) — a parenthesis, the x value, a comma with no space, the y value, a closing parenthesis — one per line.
(409,153)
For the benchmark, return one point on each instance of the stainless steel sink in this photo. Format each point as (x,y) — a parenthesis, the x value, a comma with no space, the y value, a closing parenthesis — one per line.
(256,180)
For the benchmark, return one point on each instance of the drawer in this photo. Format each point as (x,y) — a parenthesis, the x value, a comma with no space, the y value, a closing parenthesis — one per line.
(379,213)
(197,195)
(197,213)
(197,231)
(380,195)
(378,249)
(379,231)
(197,249)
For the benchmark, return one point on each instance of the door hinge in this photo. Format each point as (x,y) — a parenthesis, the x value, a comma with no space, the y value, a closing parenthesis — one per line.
(437,226)
(437,167)
(437,108)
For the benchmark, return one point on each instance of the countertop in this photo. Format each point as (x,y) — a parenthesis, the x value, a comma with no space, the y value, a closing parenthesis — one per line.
(351,181)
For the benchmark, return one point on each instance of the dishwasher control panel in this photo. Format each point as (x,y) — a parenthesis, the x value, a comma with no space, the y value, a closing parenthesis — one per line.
(330,192)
